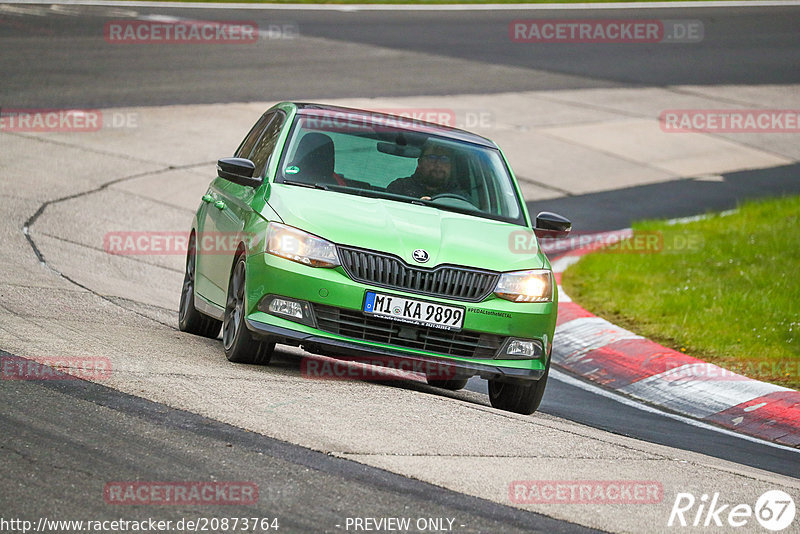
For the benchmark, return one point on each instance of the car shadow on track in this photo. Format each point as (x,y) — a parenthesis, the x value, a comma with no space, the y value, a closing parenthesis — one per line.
(322,368)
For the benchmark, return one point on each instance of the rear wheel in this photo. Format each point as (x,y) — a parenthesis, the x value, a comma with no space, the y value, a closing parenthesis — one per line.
(239,344)
(189,319)
(453,384)
(518,397)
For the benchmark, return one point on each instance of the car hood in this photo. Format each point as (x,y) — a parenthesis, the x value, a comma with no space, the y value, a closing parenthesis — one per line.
(400,228)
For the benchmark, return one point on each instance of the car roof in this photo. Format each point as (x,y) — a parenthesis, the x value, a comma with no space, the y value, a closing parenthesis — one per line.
(309,108)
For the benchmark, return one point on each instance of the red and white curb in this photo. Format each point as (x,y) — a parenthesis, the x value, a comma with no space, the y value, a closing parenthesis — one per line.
(617,359)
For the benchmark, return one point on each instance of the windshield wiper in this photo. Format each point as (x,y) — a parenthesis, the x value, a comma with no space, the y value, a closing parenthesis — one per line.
(466,211)
(305,184)
(403,198)
(372,193)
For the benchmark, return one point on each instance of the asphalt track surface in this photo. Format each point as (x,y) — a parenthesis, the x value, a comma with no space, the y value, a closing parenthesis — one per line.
(51,59)
(129,438)
(612,210)
(53,56)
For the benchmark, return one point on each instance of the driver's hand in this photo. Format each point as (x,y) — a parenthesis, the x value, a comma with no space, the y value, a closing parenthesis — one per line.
(425,198)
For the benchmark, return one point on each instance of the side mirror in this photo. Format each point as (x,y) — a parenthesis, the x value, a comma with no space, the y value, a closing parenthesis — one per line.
(238,170)
(551,225)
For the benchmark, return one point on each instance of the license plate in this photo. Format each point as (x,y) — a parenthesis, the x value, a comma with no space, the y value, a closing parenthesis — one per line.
(416,312)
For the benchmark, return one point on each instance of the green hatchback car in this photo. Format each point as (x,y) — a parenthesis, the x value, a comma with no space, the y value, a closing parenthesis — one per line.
(356,235)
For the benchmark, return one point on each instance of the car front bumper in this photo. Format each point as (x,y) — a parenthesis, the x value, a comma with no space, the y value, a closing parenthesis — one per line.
(350,350)
(333,289)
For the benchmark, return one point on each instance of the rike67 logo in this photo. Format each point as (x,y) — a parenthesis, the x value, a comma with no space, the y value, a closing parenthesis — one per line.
(774,510)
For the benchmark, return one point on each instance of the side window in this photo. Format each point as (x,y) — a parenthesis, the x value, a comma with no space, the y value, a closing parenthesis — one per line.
(266,144)
(246,148)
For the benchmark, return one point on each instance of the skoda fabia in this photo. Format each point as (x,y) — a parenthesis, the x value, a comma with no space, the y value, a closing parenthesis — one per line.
(358,234)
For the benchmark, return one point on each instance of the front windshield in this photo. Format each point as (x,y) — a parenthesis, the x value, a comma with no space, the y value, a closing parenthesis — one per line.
(382,160)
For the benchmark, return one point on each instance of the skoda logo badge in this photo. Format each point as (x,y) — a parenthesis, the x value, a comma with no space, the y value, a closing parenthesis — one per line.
(420,255)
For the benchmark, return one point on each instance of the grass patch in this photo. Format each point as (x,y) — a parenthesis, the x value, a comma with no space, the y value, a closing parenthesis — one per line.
(725,289)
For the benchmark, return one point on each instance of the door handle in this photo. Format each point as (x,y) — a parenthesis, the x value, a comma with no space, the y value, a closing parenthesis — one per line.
(220,205)
(208,198)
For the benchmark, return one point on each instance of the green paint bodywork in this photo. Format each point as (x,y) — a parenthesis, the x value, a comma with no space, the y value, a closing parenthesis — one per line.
(388,226)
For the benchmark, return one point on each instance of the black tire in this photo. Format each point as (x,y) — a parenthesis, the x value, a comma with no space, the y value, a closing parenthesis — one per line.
(189,319)
(239,344)
(453,384)
(518,397)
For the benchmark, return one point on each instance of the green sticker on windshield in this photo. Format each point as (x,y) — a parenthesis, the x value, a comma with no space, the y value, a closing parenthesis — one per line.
(292,170)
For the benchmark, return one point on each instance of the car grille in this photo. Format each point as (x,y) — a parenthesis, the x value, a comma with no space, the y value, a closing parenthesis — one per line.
(389,271)
(357,325)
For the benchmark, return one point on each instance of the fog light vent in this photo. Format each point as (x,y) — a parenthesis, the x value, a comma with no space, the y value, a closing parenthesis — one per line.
(286,307)
(520,349)
(294,310)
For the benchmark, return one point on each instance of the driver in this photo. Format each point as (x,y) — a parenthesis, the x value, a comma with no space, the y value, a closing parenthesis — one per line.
(432,177)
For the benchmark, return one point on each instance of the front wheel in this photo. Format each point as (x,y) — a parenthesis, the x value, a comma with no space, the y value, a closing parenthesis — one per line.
(523,398)
(239,344)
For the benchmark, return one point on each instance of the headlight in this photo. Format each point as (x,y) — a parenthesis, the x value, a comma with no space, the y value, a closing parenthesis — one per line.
(526,286)
(300,246)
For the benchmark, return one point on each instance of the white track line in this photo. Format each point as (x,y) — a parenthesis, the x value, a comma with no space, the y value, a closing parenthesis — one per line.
(421,7)
(702,217)
(597,390)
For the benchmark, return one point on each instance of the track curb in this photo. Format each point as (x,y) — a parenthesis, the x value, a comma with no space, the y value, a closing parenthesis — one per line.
(624,362)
